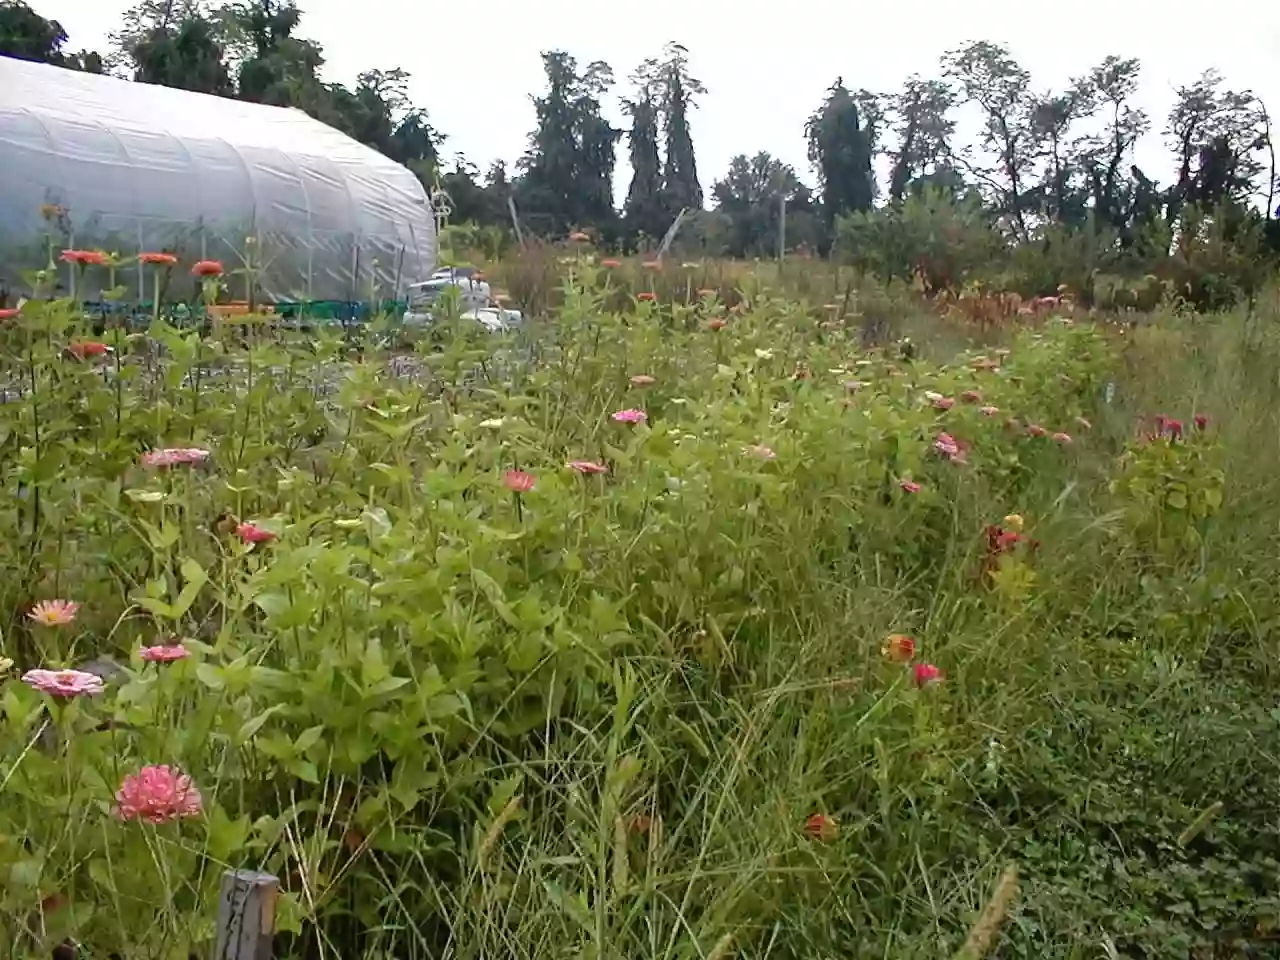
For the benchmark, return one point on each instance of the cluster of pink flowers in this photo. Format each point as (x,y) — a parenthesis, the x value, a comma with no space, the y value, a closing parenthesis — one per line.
(951,448)
(158,794)
(173,457)
(1161,426)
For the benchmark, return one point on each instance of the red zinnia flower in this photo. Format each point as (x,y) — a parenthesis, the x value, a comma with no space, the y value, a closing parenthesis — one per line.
(87,348)
(86,258)
(610,264)
(646,296)
(158,259)
(819,826)
(717,324)
(518,481)
(1201,421)
(207,268)
(899,648)
(8,313)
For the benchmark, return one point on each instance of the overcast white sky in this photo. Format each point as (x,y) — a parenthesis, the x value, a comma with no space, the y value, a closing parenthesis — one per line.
(766,64)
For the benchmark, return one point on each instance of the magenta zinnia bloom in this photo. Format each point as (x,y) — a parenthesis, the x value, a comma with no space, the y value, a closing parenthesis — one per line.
(518,481)
(63,683)
(925,674)
(54,613)
(252,533)
(164,654)
(173,457)
(587,466)
(158,795)
(910,486)
(630,416)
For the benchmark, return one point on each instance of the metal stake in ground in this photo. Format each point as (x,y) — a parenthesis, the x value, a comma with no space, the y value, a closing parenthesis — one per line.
(246,915)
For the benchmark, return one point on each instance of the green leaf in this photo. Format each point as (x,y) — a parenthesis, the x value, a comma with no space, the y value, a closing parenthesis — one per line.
(308,738)
(211,676)
(254,724)
(194,579)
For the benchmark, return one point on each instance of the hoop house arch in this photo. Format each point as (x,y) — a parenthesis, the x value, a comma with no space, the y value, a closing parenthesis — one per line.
(99,162)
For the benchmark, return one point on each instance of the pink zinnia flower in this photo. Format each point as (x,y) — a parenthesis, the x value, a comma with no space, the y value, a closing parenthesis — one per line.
(207,269)
(971,396)
(610,264)
(54,613)
(1036,430)
(925,674)
(944,403)
(761,451)
(164,654)
(642,380)
(158,259)
(158,795)
(909,485)
(1062,438)
(8,313)
(518,481)
(989,411)
(252,533)
(717,323)
(630,416)
(63,683)
(587,466)
(173,457)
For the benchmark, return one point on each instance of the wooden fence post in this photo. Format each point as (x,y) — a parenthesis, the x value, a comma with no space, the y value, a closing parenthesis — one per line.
(246,915)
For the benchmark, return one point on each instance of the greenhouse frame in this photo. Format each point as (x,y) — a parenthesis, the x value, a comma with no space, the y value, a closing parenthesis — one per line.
(96,162)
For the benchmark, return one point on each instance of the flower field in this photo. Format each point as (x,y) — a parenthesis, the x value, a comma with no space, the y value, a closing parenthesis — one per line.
(684,632)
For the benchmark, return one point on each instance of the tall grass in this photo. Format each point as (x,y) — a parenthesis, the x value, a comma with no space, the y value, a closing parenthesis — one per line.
(626,695)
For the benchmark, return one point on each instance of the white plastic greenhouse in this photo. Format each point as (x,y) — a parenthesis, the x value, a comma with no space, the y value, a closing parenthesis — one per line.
(136,167)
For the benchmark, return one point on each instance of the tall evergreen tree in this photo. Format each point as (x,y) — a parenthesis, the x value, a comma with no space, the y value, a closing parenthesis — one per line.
(568,167)
(840,149)
(678,90)
(645,209)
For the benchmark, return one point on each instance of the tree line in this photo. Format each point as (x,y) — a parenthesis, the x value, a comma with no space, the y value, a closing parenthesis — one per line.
(1049,170)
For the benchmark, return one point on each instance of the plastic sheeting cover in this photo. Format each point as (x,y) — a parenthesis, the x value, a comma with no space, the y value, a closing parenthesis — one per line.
(137,167)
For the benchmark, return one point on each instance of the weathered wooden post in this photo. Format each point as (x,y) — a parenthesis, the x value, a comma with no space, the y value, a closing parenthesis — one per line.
(246,915)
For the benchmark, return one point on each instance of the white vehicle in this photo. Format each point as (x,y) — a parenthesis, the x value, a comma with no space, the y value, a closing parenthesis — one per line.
(474,295)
